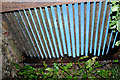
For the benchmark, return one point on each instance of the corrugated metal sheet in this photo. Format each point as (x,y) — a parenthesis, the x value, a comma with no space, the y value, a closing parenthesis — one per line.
(55,31)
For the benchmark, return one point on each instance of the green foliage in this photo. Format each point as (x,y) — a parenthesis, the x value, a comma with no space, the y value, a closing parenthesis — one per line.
(83,69)
(117,43)
(115,60)
(115,17)
(115,71)
(18,67)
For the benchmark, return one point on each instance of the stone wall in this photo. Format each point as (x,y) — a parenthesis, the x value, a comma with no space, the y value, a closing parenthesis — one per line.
(10,54)
(0,46)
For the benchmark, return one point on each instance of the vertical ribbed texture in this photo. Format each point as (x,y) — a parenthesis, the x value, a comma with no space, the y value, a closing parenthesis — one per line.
(115,39)
(37,33)
(77,28)
(28,33)
(73,29)
(109,42)
(33,34)
(87,27)
(105,40)
(56,29)
(47,32)
(61,28)
(101,33)
(42,31)
(93,21)
(24,34)
(65,17)
(82,28)
(98,20)
(51,30)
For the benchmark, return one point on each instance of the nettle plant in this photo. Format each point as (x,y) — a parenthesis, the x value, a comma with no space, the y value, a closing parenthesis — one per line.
(115,17)
(81,68)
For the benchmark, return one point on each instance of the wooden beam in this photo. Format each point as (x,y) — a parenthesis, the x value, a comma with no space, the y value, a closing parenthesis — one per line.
(10,6)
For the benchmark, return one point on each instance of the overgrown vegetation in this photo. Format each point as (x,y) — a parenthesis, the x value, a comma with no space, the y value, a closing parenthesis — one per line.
(115,70)
(80,69)
(115,17)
